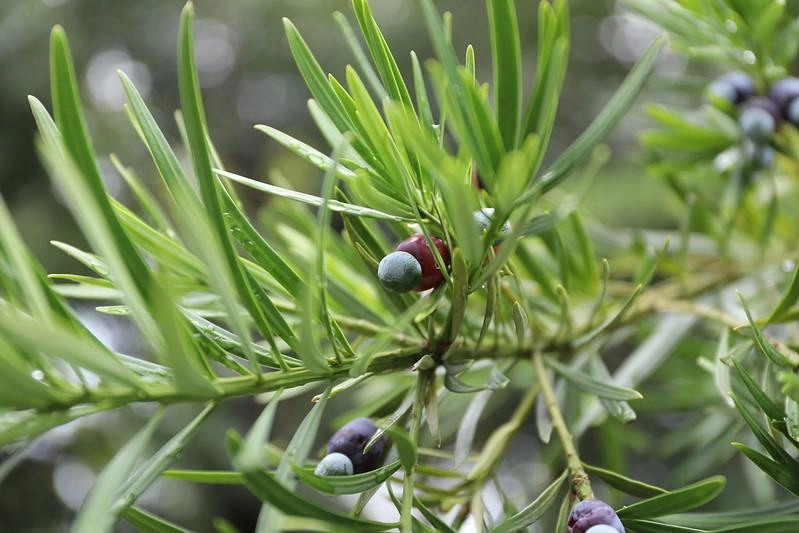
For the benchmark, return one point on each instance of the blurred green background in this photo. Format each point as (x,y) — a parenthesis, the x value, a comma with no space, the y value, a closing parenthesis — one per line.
(248,77)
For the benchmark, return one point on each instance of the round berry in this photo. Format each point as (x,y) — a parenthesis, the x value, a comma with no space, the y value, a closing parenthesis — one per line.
(759,155)
(351,439)
(483,219)
(590,513)
(721,94)
(417,246)
(399,272)
(741,82)
(783,93)
(792,114)
(334,464)
(759,119)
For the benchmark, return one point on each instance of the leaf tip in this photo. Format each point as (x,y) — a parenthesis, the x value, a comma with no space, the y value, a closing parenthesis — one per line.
(57,32)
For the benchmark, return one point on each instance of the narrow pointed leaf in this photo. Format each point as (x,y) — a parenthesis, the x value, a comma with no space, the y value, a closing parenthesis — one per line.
(146,522)
(507,60)
(149,472)
(625,484)
(353,484)
(94,514)
(675,501)
(535,510)
(591,385)
(606,121)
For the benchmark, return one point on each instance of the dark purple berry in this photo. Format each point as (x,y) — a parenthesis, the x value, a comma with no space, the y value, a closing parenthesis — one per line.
(783,93)
(589,513)
(759,119)
(742,83)
(417,246)
(351,440)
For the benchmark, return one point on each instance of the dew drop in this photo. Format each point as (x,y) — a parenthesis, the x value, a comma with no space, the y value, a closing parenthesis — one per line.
(731,26)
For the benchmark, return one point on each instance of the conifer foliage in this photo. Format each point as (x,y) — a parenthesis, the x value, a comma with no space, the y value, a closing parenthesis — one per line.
(504,306)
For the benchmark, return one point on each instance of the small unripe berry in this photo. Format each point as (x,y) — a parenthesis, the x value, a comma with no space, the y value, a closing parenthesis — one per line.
(783,93)
(590,513)
(759,119)
(733,88)
(334,464)
(399,272)
(759,155)
(417,246)
(483,219)
(351,439)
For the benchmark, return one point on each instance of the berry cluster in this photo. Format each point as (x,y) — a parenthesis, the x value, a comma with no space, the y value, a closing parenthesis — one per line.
(759,117)
(594,516)
(345,450)
(412,265)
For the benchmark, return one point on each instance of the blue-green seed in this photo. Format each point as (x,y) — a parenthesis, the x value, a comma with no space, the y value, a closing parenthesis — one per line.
(399,272)
(757,124)
(334,464)
(792,114)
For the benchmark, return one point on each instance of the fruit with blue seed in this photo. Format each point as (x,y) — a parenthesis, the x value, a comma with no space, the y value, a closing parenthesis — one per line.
(732,88)
(334,464)
(784,93)
(351,440)
(417,246)
(590,513)
(759,119)
(399,272)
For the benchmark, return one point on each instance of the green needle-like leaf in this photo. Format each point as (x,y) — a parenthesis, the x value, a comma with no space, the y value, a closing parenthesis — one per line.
(94,514)
(71,123)
(149,472)
(507,59)
(604,123)
(675,501)
(353,484)
(531,513)
(147,522)
(381,54)
(591,385)
(309,199)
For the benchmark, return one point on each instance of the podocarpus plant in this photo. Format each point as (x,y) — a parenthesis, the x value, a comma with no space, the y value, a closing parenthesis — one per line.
(529,313)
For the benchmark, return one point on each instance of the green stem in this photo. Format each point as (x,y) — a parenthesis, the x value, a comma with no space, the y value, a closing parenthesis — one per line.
(581,485)
(406,516)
